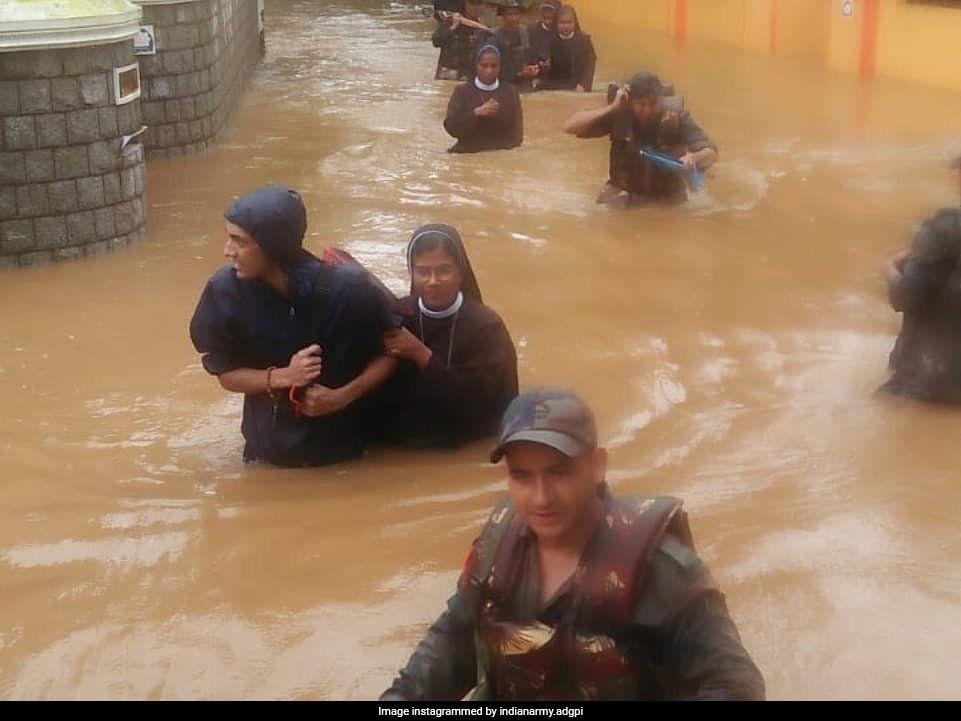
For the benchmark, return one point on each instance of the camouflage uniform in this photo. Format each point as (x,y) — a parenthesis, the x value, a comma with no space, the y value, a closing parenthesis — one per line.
(640,619)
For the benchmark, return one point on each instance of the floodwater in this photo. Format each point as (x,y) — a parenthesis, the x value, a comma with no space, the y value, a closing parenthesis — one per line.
(731,349)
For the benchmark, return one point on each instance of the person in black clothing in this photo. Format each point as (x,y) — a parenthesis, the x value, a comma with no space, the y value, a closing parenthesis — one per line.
(924,283)
(458,365)
(638,118)
(542,32)
(458,36)
(572,56)
(484,113)
(520,65)
(302,340)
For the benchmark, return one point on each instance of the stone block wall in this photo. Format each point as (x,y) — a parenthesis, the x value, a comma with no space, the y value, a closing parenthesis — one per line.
(66,189)
(206,51)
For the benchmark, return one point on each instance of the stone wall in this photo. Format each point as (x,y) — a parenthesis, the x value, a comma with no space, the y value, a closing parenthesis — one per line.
(206,50)
(66,189)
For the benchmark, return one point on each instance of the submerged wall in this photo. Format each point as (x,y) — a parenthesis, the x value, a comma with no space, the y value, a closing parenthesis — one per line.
(205,52)
(73,137)
(69,184)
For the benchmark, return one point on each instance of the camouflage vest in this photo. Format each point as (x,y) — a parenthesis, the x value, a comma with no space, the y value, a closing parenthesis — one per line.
(630,171)
(584,656)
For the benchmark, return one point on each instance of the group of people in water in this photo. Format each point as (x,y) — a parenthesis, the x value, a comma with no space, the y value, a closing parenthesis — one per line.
(552,53)
(496,66)
(657,149)
(568,593)
(329,360)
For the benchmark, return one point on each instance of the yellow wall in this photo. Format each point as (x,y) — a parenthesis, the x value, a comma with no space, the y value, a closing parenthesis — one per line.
(844,46)
(920,43)
(802,26)
(644,14)
(721,20)
(757,25)
(912,42)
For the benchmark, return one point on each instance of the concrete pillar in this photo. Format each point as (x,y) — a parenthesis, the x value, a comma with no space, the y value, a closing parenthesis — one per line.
(70,185)
(205,52)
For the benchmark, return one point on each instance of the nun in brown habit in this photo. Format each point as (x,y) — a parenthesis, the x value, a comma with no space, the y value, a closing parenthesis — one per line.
(485,113)
(458,370)
(573,58)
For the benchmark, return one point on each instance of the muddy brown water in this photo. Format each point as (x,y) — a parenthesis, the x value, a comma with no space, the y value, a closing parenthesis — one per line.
(731,349)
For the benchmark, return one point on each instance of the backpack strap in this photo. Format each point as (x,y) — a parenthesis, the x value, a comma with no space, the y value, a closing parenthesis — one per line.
(326,305)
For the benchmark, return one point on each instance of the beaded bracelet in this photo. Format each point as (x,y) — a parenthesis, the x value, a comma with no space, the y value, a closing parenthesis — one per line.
(270,388)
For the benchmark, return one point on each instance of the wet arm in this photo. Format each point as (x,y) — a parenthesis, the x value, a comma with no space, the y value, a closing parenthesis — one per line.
(591,123)
(699,146)
(370,319)
(252,381)
(476,25)
(704,158)
(376,372)
(215,332)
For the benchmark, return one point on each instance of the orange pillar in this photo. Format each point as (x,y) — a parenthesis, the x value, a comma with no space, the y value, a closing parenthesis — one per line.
(867,61)
(680,20)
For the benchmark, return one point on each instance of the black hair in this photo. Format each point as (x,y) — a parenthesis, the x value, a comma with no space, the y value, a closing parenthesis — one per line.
(646,85)
(431,242)
(939,237)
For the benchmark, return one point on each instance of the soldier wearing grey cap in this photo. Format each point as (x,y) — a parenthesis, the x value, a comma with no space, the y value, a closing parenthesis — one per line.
(570,594)
(642,118)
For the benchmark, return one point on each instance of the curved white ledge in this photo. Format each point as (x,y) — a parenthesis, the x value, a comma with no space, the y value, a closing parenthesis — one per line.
(45,24)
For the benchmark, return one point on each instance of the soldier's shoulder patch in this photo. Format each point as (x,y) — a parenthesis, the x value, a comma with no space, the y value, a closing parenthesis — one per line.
(679,553)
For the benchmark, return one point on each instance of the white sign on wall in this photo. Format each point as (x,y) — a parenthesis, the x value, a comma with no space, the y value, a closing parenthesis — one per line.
(847,8)
(145,41)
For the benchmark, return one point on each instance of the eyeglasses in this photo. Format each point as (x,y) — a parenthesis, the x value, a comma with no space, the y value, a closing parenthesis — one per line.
(443,273)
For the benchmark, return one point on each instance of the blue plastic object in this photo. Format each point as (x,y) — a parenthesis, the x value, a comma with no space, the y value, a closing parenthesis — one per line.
(695,179)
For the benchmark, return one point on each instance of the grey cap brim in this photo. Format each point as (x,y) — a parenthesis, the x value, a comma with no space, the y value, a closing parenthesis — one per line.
(570,447)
